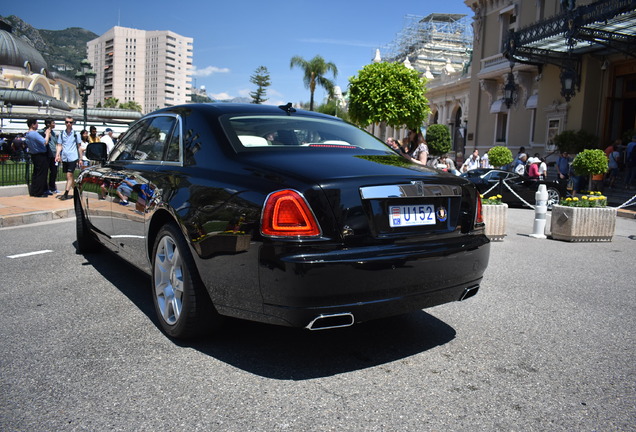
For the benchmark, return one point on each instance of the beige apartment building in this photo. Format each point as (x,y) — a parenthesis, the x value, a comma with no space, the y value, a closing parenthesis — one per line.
(152,68)
(540,67)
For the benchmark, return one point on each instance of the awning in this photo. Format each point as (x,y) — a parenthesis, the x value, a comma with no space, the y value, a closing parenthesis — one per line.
(532,102)
(498,106)
(605,25)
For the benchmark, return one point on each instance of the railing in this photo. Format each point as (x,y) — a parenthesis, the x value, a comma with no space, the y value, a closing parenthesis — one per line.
(18,169)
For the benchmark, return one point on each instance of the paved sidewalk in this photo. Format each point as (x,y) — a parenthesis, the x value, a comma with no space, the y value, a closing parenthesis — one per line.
(22,209)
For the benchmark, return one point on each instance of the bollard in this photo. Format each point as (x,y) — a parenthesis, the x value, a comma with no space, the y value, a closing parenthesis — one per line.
(540,212)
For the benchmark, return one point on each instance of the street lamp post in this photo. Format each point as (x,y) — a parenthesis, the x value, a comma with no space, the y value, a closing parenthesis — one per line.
(85,83)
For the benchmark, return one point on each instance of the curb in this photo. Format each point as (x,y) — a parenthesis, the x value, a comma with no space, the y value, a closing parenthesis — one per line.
(35,217)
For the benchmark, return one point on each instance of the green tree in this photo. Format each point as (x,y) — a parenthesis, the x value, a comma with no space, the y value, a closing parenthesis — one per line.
(388,92)
(262,81)
(314,75)
(575,141)
(111,102)
(131,105)
(438,139)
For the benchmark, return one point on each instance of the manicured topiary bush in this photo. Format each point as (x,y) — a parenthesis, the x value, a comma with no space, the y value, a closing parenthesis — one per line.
(499,156)
(438,139)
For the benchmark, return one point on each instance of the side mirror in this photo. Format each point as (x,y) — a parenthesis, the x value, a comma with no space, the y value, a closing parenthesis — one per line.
(97,151)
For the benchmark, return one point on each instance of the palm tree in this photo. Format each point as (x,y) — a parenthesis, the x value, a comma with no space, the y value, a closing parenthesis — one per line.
(315,69)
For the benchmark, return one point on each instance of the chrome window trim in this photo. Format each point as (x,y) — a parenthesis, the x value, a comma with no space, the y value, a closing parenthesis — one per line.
(415,189)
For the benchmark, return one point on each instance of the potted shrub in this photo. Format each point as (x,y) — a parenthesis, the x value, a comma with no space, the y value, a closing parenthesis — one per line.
(438,139)
(583,219)
(591,163)
(495,214)
(499,156)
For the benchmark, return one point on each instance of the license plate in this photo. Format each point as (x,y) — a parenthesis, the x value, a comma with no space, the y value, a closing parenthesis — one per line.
(411,215)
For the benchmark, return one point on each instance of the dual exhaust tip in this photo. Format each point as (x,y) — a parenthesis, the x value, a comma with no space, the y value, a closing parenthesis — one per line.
(331,321)
(346,319)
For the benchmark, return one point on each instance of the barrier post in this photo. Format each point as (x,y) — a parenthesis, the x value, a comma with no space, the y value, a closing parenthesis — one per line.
(540,212)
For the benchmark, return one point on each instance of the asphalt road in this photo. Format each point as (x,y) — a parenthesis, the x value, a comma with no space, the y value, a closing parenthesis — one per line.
(548,344)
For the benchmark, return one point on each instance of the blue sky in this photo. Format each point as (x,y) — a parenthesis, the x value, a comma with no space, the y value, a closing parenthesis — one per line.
(233,38)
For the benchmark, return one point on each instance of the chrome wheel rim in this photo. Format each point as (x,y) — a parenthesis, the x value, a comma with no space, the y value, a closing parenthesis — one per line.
(168,280)
(553,197)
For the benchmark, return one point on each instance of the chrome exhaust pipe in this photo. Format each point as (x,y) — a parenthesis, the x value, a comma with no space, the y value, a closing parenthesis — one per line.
(330,321)
(469,292)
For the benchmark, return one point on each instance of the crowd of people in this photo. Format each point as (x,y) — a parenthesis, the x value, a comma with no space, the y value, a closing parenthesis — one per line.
(620,158)
(49,150)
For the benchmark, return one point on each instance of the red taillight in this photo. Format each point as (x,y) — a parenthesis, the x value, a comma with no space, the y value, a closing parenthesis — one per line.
(286,213)
(479,216)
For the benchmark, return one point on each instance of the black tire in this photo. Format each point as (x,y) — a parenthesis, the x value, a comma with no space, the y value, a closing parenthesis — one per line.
(86,242)
(554,197)
(182,304)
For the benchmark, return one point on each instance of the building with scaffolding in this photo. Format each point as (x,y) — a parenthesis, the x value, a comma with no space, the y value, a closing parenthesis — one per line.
(432,44)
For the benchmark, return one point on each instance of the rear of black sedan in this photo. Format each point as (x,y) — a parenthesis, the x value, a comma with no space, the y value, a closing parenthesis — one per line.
(293,218)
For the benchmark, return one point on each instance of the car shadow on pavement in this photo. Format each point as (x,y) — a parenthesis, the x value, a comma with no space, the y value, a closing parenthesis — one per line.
(288,353)
(297,354)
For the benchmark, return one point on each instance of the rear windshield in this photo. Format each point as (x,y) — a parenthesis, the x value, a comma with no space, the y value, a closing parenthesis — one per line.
(265,132)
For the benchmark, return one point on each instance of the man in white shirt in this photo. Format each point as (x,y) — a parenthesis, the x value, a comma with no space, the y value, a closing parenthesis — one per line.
(108,140)
(472,162)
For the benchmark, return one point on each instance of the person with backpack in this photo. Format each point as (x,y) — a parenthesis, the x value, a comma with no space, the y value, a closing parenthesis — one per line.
(69,152)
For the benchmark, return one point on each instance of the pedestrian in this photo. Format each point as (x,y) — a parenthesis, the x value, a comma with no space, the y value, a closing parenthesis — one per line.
(485,162)
(84,135)
(472,162)
(420,154)
(612,165)
(92,136)
(69,153)
(563,166)
(51,149)
(630,163)
(37,147)
(533,168)
(108,140)
(543,169)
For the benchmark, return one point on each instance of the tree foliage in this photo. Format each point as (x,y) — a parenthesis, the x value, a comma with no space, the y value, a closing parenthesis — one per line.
(575,141)
(111,102)
(262,81)
(590,161)
(438,139)
(499,156)
(388,92)
(314,75)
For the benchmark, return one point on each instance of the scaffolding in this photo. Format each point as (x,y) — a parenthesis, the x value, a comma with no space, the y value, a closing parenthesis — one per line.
(433,44)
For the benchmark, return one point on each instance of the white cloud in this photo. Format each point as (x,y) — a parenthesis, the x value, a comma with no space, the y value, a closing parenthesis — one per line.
(210,70)
(221,96)
(244,92)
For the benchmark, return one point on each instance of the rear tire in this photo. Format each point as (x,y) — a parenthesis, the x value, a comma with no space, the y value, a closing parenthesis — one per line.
(86,242)
(182,304)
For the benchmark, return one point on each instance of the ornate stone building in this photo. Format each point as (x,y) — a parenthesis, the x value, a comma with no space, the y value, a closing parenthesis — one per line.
(544,66)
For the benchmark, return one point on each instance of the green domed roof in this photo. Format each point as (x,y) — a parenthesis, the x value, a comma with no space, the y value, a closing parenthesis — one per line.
(16,52)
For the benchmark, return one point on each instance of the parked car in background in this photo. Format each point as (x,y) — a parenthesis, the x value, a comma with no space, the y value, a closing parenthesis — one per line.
(514,187)
(280,216)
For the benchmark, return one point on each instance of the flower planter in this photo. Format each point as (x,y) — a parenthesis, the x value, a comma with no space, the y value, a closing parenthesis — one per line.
(495,218)
(583,223)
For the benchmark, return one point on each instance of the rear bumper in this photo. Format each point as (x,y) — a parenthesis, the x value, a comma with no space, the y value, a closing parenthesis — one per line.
(372,282)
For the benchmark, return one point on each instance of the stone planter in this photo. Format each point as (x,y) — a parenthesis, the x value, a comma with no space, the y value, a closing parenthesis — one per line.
(583,223)
(495,218)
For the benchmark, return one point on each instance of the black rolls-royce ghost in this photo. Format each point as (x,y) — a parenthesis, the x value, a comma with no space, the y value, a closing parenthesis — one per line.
(278,215)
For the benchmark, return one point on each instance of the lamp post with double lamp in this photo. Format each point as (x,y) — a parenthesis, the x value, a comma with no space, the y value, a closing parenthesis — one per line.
(85,83)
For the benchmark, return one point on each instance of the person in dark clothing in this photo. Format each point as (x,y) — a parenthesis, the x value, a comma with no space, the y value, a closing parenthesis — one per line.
(37,146)
(51,149)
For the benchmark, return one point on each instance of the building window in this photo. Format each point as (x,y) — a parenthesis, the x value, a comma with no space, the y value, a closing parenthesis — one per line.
(501,128)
